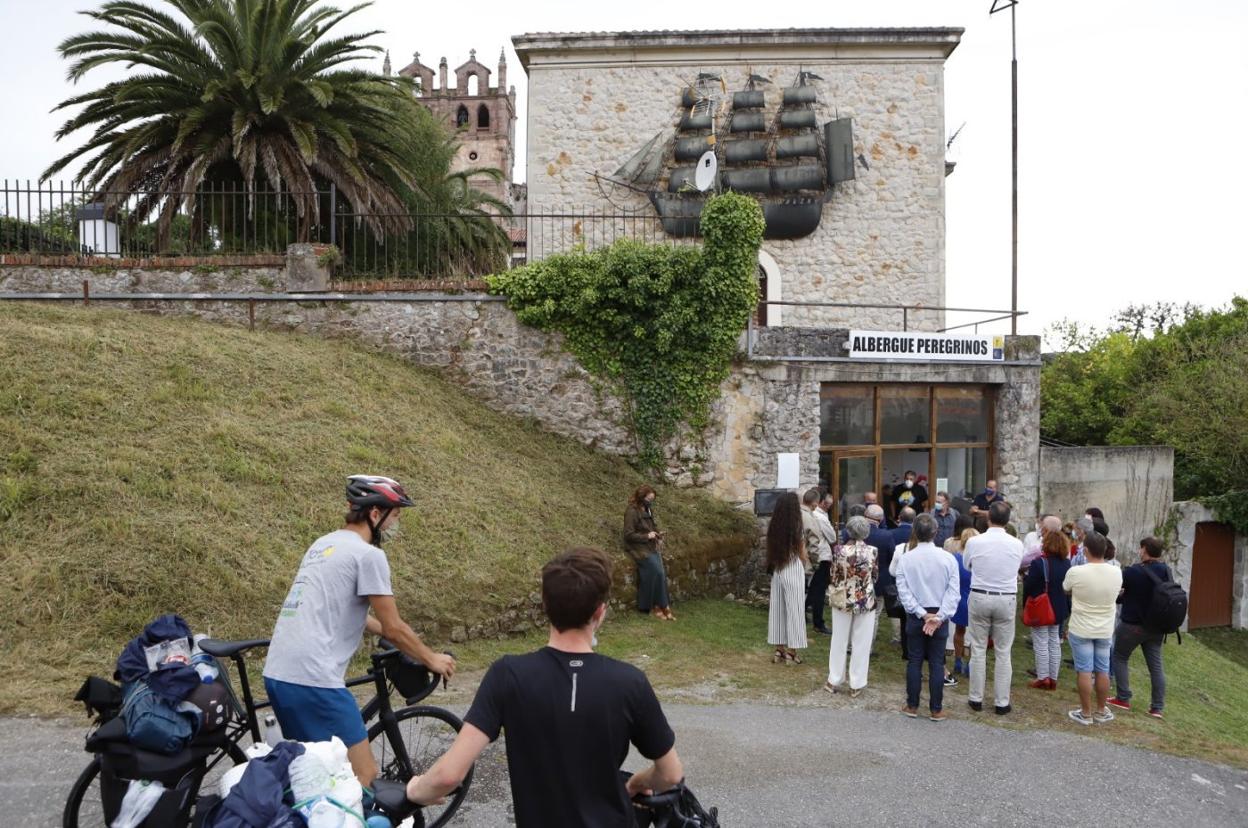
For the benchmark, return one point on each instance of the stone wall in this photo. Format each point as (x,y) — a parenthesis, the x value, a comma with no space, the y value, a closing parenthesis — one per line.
(1132,485)
(592,104)
(1184,517)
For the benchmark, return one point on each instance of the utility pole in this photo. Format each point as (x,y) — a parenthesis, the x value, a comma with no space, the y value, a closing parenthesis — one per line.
(1002,5)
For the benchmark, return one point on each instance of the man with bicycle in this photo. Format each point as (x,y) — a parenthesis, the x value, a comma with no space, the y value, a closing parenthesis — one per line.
(569,715)
(342,576)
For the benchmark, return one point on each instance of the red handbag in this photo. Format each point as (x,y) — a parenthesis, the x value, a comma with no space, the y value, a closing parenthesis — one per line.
(1037,610)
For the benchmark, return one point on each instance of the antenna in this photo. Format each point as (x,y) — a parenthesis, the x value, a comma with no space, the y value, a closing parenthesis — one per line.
(704,175)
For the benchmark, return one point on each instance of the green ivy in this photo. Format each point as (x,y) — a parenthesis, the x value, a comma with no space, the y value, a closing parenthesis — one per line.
(658,323)
(1230,507)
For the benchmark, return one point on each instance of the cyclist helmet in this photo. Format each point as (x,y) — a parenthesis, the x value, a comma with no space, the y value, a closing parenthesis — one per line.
(365,491)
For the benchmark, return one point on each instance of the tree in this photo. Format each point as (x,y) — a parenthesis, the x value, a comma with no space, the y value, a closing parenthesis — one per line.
(253,91)
(1165,374)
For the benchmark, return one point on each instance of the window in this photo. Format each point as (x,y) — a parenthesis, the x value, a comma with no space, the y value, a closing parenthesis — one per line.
(461,117)
(483,117)
(872,434)
(474,85)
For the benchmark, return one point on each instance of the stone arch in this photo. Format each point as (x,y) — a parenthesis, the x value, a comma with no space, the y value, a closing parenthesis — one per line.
(474,84)
(461,117)
(483,117)
(772,281)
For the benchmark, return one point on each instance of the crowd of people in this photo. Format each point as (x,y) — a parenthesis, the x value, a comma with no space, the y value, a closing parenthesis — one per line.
(950,586)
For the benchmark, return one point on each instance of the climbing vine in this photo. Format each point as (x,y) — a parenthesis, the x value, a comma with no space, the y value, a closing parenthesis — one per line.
(1230,507)
(658,323)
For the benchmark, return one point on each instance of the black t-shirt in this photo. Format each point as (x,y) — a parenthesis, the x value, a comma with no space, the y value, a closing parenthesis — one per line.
(569,719)
(915,497)
(983,501)
(1137,590)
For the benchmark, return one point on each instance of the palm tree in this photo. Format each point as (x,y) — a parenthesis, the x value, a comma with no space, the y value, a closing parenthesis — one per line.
(252,91)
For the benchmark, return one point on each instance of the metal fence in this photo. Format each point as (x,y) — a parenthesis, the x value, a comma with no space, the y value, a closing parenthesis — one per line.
(223,219)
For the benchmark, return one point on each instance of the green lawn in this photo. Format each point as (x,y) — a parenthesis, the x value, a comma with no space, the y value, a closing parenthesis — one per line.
(159,464)
(716,652)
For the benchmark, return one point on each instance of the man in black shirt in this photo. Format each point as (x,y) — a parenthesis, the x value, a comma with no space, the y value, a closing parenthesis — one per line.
(990,495)
(1136,596)
(910,494)
(569,715)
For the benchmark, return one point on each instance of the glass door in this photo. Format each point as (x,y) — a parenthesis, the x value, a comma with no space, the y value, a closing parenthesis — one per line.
(853,474)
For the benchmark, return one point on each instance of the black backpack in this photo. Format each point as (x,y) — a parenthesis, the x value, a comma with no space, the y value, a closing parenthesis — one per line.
(1168,607)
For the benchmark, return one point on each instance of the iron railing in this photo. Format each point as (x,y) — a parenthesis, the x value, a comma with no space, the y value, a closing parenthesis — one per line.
(225,219)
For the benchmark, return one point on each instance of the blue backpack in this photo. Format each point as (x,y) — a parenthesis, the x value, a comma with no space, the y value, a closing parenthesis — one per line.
(152,723)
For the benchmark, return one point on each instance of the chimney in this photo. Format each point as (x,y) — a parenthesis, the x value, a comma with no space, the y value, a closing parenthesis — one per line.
(442,76)
(502,70)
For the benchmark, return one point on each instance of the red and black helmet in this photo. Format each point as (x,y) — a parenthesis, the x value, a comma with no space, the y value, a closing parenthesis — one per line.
(366,490)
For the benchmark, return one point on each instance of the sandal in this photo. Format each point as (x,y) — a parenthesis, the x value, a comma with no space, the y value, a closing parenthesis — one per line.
(667,614)
(777,656)
(793,657)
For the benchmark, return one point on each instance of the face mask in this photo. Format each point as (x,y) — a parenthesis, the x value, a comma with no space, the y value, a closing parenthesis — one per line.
(940,507)
(990,492)
(909,484)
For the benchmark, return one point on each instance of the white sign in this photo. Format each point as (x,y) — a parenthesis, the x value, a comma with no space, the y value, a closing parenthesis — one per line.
(914,346)
(788,470)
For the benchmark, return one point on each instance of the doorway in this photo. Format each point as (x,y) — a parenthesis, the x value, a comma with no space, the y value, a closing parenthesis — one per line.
(1213,570)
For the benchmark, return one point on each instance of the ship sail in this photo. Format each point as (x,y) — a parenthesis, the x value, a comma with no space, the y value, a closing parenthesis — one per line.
(782,155)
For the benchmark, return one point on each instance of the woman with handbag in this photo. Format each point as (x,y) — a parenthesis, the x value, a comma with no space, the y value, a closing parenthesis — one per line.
(1047,606)
(643,541)
(851,594)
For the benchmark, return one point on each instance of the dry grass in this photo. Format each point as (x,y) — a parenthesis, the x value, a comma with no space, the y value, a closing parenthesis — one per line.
(154,464)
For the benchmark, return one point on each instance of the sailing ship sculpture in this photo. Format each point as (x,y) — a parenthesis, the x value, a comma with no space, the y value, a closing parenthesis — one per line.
(789,162)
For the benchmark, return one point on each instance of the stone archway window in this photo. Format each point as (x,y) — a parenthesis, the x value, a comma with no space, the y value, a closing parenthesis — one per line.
(770,290)
(483,117)
(474,84)
(461,117)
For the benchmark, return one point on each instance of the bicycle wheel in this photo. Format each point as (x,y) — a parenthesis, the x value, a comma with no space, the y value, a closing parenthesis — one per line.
(426,733)
(84,808)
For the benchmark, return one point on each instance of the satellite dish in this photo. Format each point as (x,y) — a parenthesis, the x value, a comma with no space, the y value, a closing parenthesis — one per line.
(704,175)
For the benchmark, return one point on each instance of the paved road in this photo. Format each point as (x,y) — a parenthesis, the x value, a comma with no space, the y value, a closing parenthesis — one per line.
(802,766)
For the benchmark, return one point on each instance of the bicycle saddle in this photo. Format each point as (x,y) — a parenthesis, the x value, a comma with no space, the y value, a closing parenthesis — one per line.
(228,649)
(391,798)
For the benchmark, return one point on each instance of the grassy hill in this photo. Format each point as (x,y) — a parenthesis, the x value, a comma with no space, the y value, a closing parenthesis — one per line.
(155,464)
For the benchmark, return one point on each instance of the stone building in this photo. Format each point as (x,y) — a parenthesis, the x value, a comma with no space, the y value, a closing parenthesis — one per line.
(958,409)
(482,116)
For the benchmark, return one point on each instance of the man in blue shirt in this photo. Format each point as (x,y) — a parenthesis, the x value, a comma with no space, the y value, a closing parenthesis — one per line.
(928,588)
(946,518)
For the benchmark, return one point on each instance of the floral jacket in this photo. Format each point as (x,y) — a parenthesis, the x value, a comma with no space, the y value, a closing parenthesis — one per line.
(855,566)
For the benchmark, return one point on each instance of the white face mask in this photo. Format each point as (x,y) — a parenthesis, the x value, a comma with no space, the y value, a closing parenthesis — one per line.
(909,483)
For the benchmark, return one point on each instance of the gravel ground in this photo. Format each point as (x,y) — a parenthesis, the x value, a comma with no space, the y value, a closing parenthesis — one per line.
(794,766)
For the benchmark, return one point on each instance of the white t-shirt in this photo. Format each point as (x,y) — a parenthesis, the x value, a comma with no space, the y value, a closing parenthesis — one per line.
(994,559)
(322,619)
(1093,590)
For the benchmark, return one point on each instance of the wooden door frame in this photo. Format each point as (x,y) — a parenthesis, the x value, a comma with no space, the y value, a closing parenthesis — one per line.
(835,479)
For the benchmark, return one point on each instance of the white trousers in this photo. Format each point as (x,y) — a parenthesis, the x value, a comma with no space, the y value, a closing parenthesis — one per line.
(856,630)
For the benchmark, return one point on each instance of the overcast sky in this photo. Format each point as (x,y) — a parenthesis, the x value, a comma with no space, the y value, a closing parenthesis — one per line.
(1133,126)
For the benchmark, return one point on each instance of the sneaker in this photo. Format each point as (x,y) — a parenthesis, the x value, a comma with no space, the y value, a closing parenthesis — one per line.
(912,712)
(938,716)
(1155,713)
(1121,704)
(977,706)
(950,680)
(1002,709)
(1077,716)
(1105,715)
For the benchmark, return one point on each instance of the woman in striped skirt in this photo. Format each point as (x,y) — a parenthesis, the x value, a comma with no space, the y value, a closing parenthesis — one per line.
(787,562)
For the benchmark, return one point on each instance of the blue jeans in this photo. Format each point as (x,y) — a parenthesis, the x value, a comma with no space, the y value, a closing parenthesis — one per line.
(929,648)
(1091,654)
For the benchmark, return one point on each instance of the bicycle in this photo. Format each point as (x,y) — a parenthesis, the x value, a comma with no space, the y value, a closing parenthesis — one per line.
(405,743)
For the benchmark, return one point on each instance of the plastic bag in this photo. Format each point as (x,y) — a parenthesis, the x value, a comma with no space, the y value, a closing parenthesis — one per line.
(141,797)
